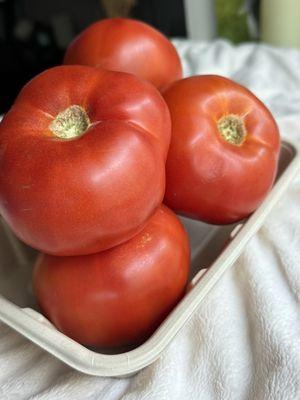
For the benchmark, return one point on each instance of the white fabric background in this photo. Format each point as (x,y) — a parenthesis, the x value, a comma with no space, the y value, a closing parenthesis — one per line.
(244,342)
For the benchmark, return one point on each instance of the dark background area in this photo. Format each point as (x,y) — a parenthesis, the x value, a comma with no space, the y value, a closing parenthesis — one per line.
(34,34)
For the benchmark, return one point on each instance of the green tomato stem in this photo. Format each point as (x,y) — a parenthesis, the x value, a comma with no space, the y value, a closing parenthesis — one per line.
(70,123)
(232,129)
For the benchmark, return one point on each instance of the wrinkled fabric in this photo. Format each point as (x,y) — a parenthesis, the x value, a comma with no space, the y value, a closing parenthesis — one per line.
(244,341)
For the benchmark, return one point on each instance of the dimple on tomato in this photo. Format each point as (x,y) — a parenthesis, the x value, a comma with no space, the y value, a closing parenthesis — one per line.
(117,297)
(224,149)
(123,44)
(82,159)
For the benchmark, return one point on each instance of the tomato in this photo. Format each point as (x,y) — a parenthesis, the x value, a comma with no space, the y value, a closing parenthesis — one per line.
(122,44)
(119,296)
(224,149)
(82,159)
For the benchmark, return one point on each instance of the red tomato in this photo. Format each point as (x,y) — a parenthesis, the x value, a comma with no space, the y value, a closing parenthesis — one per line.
(119,296)
(82,159)
(224,149)
(121,44)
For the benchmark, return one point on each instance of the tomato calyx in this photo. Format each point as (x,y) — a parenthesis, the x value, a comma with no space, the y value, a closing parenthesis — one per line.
(70,123)
(232,129)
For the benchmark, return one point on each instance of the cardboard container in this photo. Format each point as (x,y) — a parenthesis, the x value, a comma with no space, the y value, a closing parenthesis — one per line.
(214,250)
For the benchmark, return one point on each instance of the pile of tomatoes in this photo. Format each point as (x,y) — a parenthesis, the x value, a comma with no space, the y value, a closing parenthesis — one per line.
(89,152)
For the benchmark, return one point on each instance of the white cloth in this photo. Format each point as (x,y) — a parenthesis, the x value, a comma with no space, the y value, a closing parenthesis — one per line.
(244,342)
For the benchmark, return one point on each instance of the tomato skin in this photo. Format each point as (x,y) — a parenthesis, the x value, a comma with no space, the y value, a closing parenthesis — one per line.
(207,177)
(122,44)
(119,296)
(87,194)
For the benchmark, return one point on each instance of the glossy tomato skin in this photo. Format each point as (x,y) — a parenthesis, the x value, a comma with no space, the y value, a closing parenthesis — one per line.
(87,194)
(207,177)
(117,297)
(122,44)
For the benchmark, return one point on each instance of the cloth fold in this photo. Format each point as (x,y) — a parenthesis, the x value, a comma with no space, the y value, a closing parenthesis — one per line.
(244,341)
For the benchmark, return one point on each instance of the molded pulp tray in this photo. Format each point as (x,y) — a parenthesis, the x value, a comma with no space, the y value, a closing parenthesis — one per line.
(211,257)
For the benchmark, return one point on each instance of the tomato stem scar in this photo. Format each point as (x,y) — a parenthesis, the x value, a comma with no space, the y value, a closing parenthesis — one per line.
(69,123)
(232,129)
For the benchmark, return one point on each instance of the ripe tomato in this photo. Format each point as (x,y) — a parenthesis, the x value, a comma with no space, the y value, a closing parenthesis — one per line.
(121,44)
(82,155)
(119,296)
(224,149)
